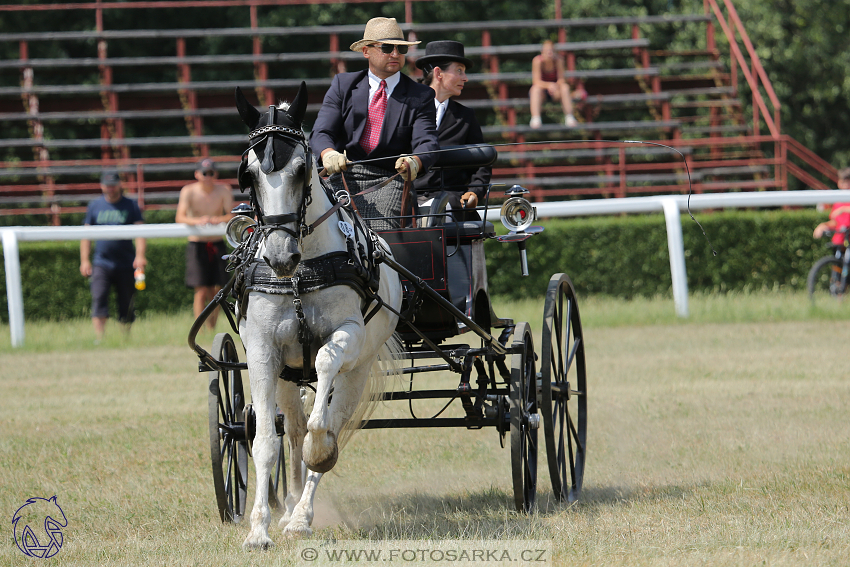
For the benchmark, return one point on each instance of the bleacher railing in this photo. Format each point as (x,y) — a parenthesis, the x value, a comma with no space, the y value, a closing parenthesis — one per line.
(615,174)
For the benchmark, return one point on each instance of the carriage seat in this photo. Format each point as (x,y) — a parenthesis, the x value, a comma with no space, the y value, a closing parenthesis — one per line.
(468,230)
(467,156)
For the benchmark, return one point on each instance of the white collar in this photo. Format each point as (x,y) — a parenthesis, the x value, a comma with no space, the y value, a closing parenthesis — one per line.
(375,83)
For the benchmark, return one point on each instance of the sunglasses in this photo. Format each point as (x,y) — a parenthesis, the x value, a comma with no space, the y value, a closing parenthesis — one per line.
(388,48)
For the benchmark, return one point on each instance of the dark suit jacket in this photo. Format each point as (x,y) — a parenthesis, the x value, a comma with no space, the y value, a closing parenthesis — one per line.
(409,122)
(457,127)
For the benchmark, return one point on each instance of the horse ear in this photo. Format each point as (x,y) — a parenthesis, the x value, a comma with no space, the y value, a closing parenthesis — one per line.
(250,115)
(299,106)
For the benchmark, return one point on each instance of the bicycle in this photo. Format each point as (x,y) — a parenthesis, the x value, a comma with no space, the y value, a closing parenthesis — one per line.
(828,276)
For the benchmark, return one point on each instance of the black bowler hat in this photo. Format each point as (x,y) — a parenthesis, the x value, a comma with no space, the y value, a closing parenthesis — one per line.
(109,178)
(439,52)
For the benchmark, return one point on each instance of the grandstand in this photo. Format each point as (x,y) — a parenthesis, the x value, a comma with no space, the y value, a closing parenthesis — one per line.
(151,102)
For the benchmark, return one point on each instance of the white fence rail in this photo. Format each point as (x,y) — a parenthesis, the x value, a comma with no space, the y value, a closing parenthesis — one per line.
(671,205)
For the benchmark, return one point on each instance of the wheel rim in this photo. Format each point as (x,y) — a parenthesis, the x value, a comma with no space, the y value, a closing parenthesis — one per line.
(228,444)
(564,389)
(523,426)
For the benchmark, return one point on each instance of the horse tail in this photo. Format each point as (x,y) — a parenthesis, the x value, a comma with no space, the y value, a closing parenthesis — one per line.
(385,373)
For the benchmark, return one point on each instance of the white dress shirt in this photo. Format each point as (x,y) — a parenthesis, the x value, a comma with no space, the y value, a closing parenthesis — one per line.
(441,110)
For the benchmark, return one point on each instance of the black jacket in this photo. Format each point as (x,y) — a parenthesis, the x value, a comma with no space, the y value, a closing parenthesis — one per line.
(457,127)
(409,122)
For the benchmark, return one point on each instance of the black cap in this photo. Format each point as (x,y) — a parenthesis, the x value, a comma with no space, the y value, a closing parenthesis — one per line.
(109,178)
(437,52)
(206,166)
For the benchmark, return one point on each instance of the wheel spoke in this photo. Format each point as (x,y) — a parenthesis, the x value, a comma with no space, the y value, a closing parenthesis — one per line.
(572,356)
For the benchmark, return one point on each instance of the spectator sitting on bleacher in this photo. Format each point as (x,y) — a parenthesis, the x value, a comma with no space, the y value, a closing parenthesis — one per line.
(445,69)
(547,81)
(381,113)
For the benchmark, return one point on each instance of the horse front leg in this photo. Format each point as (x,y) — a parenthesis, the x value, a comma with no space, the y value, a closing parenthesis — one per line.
(290,403)
(263,368)
(320,445)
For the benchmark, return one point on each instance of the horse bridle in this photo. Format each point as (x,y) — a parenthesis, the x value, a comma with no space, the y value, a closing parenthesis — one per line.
(269,223)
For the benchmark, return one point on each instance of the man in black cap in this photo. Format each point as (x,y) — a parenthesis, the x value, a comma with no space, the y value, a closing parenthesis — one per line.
(205,202)
(445,69)
(114,260)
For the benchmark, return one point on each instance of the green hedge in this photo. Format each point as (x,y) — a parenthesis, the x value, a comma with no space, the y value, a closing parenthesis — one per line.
(54,289)
(628,256)
(619,256)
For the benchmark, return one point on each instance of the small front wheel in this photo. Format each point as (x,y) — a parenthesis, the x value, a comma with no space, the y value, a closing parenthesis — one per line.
(825,280)
(524,421)
(228,442)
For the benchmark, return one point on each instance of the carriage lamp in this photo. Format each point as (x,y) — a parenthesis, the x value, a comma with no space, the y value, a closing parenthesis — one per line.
(517,213)
(238,229)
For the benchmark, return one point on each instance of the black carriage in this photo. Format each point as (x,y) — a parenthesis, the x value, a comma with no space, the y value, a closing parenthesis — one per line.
(446,308)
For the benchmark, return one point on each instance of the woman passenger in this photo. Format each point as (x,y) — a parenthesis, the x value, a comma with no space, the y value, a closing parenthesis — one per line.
(445,69)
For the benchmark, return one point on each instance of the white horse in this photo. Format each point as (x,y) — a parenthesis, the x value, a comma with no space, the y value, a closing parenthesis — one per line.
(344,349)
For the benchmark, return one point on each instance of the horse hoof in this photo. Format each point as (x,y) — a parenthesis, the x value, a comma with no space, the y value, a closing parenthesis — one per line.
(261,543)
(301,530)
(318,458)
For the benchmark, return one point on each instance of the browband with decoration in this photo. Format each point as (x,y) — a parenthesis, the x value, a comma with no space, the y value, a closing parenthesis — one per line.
(275,128)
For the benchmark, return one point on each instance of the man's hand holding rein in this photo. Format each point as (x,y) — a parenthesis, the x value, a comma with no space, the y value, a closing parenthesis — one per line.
(408,167)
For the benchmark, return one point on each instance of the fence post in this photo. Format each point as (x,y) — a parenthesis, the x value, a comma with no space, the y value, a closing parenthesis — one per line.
(676,248)
(14,291)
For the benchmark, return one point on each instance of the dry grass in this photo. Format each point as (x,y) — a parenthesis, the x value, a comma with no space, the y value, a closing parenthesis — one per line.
(710,442)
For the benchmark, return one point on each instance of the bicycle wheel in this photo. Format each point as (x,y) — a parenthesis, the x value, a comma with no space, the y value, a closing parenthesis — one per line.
(824,280)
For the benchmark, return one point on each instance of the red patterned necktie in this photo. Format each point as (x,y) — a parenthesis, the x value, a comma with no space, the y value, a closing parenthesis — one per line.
(377,108)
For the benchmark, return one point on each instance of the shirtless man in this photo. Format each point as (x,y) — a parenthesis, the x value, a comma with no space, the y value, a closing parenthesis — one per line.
(205,202)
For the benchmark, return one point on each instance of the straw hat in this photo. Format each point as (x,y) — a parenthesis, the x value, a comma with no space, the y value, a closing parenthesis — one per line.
(382,30)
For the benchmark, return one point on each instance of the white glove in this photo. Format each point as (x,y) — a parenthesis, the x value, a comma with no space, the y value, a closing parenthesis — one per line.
(334,162)
(408,167)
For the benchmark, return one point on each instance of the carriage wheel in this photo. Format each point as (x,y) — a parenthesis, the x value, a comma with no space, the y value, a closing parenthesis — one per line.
(228,444)
(564,389)
(524,421)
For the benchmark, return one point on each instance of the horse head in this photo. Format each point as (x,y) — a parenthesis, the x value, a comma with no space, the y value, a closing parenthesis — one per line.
(277,168)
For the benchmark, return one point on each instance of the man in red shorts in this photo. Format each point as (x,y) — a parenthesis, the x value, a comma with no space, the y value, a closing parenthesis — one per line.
(205,202)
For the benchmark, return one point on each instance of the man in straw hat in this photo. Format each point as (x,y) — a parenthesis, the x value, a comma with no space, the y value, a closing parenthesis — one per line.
(379,113)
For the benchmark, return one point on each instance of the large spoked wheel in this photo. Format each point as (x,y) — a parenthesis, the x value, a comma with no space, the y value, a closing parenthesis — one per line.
(824,280)
(228,443)
(524,421)
(563,389)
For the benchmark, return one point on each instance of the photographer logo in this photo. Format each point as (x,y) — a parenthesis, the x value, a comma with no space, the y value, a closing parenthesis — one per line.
(38,527)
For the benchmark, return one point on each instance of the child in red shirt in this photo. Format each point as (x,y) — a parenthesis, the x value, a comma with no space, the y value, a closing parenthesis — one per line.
(839,217)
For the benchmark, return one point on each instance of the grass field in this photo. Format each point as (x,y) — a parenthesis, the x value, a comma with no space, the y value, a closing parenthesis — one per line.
(717,440)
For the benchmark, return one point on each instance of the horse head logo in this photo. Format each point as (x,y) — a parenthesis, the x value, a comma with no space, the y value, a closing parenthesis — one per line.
(38,527)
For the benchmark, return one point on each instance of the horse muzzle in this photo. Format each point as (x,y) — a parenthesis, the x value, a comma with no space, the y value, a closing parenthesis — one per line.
(282,254)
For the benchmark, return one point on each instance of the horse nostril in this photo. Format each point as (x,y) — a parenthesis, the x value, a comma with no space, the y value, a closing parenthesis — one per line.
(296,258)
